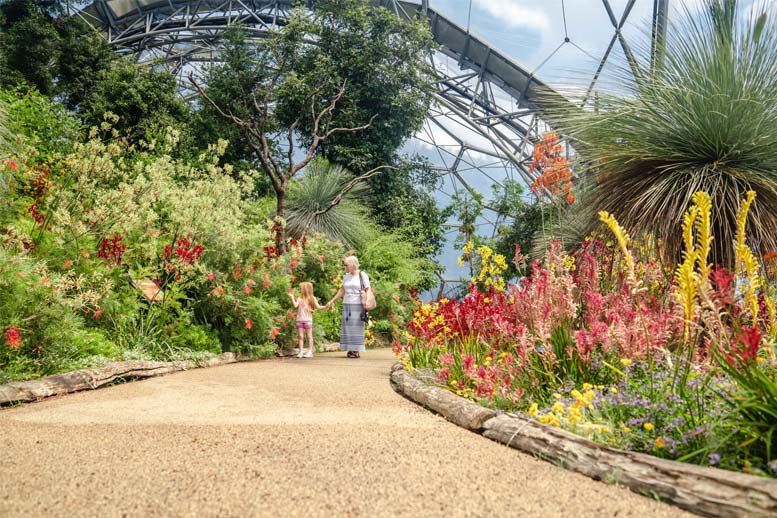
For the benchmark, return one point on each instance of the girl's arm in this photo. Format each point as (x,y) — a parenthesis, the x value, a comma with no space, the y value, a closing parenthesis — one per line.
(318,306)
(294,300)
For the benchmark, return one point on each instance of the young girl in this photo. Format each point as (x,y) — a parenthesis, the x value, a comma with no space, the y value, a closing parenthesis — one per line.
(305,305)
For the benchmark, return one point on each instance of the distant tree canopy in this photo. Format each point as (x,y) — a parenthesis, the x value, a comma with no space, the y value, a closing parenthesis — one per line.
(62,57)
(380,59)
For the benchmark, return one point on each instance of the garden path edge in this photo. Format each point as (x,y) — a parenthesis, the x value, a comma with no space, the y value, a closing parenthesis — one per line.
(703,490)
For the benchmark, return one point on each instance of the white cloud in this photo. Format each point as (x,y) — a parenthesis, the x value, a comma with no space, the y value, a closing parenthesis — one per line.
(516,13)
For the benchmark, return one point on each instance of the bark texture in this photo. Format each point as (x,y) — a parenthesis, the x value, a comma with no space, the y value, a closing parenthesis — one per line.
(25,391)
(457,410)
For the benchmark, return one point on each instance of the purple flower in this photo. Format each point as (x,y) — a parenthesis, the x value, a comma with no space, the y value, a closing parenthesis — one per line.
(714,458)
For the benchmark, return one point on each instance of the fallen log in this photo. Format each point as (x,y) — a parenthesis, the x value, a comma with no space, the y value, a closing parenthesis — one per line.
(86,379)
(702,490)
(460,411)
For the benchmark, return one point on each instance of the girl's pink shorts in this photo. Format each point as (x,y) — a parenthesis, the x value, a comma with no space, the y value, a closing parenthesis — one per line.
(304,325)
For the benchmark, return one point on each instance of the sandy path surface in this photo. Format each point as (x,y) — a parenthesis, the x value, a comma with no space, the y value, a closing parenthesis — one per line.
(312,437)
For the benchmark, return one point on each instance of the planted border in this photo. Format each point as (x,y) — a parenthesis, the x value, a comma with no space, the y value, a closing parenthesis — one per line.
(703,490)
(88,379)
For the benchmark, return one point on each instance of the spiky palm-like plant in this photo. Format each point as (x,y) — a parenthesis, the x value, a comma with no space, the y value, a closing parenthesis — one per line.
(314,191)
(704,117)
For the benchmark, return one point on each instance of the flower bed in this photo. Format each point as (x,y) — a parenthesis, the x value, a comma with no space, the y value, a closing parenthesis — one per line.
(609,343)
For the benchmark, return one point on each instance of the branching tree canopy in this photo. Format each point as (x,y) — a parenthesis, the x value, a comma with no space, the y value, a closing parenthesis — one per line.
(346,82)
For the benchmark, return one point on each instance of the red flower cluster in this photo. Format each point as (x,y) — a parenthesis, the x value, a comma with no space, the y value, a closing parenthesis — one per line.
(36,214)
(746,350)
(111,250)
(184,251)
(13,338)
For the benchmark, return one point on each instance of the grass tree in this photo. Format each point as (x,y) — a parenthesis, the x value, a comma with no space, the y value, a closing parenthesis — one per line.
(327,199)
(704,117)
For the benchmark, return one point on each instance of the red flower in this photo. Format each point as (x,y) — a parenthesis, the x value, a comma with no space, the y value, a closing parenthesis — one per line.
(111,250)
(67,264)
(396,347)
(211,276)
(13,167)
(97,314)
(749,341)
(274,333)
(13,338)
(247,290)
(249,323)
(266,284)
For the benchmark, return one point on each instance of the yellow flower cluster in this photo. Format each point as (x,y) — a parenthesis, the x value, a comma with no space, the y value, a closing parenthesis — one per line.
(573,416)
(623,242)
(491,266)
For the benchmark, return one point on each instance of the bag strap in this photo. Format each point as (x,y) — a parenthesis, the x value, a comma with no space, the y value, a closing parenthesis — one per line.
(361,279)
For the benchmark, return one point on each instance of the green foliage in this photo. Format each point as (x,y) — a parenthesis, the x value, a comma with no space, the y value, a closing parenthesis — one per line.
(379,57)
(703,119)
(39,122)
(401,201)
(145,100)
(230,84)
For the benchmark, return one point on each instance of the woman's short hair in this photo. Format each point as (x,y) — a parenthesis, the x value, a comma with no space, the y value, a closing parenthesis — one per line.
(351,260)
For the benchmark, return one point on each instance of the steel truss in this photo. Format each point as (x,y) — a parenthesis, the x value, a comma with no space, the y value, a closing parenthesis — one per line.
(486,116)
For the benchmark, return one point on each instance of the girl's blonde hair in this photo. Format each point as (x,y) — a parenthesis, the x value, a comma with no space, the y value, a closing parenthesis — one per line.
(306,294)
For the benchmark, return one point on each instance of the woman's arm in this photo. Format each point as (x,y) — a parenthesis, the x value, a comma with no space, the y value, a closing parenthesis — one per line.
(338,295)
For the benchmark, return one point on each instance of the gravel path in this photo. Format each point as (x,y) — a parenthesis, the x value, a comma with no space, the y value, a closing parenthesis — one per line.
(312,437)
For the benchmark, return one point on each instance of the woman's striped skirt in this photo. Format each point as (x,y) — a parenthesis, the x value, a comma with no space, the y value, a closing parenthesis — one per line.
(352,328)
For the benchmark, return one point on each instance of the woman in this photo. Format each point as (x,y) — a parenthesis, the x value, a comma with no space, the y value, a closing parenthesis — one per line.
(352,325)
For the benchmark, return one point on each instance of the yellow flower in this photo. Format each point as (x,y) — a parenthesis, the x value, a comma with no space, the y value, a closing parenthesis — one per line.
(587,386)
(556,395)
(659,443)
(625,362)
(533,410)
(558,407)
(649,427)
(625,428)
(613,390)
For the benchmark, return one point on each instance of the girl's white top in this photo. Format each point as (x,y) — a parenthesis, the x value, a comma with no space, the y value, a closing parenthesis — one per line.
(304,313)
(352,287)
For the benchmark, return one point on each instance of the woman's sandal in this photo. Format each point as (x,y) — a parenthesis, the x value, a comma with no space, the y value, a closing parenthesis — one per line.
(350,355)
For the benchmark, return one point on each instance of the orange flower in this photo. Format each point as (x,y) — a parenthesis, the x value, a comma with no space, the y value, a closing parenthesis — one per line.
(67,264)
(247,290)
(274,333)
(249,323)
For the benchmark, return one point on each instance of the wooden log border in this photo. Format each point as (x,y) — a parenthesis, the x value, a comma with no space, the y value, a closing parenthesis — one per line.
(703,490)
(87,379)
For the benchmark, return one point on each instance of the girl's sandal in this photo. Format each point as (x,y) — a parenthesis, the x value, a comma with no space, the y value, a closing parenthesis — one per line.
(350,355)
(356,354)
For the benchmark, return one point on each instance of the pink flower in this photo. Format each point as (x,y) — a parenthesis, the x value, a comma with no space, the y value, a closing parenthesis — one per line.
(211,276)
(443,375)
(446,359)
(247,290)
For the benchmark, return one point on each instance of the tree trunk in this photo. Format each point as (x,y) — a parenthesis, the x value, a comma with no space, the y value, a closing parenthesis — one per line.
(280,227)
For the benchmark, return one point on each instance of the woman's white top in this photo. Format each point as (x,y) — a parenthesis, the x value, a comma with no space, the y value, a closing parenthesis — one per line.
(352,287)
